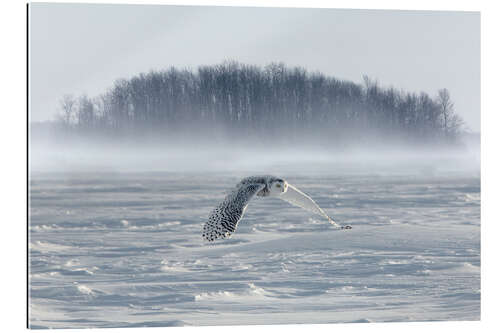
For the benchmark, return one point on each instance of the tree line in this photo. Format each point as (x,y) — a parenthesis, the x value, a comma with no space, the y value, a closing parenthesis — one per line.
(271,102)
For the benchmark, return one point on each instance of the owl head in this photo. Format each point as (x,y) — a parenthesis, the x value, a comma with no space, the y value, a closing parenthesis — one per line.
(277,187)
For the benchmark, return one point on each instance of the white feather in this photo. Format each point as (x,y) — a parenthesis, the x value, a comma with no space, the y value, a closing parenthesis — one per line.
(298,198)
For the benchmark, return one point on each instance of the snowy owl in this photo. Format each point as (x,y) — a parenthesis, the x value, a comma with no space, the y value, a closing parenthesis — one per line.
(224,218)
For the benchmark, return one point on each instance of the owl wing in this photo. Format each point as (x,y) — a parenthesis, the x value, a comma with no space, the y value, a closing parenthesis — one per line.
(298,198)
(224,218)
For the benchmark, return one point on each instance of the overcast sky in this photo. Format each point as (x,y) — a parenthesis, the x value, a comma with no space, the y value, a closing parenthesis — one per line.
(83,48)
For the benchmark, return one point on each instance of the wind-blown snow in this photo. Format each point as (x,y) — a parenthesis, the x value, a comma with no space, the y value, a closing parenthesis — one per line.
(113,250)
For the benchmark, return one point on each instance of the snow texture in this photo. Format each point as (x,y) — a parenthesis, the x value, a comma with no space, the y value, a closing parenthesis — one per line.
(125,249)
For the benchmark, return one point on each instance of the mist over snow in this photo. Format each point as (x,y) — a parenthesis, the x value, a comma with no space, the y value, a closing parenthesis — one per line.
(85,155)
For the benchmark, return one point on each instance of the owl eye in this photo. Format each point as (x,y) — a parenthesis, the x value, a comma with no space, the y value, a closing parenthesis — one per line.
(278,185)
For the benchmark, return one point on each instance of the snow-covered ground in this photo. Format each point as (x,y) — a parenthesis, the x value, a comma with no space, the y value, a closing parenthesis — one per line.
(125,249)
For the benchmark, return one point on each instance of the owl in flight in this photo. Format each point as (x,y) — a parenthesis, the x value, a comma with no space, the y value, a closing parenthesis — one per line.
(224,219)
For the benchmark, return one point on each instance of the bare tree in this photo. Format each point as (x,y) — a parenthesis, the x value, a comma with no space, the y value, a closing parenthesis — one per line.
(85,112)
(446,108)
(67,105)
(455,126)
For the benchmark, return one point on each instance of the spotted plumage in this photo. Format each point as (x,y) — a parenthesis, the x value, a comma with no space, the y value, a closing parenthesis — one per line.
(224,219)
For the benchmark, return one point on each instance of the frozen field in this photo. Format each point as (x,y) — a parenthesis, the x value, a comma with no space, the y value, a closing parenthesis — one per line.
(125,249)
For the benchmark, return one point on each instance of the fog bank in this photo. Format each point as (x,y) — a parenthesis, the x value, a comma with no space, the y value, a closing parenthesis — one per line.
(70,156)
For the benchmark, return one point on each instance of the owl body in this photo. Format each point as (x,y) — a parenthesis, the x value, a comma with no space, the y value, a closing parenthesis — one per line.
(224,219)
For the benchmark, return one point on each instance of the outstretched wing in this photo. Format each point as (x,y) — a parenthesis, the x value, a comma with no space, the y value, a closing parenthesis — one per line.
(298,198)
(224,218)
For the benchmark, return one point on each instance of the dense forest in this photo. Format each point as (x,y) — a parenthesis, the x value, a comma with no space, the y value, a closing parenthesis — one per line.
(269,103)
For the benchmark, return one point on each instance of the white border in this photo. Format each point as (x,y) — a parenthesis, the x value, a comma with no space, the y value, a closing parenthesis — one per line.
(13,143)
